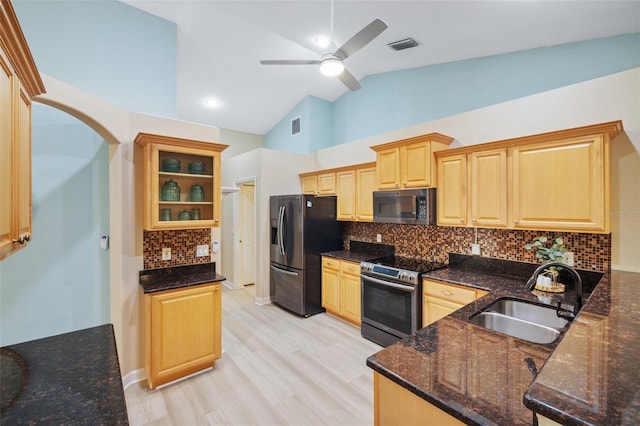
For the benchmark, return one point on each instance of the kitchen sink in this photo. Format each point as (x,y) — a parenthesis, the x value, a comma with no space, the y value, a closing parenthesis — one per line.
(521,319)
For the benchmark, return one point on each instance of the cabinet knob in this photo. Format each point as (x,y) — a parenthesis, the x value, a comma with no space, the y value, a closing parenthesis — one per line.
(216,220)
(516,221)
(22,238)
(397,184)
(461,220)
(217,289)
(473,220)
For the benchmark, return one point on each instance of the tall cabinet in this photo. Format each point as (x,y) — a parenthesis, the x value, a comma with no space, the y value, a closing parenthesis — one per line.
(19,82)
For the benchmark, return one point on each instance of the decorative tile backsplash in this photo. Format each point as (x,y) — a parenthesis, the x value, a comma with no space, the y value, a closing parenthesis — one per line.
(182,243)
(592,252)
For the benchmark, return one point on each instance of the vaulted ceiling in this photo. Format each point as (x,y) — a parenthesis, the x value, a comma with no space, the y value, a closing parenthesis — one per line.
(220,44)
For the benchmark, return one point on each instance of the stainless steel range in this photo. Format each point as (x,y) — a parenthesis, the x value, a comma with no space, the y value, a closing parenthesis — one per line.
(391,297)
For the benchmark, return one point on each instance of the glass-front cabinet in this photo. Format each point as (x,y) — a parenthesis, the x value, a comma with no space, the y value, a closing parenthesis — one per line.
(182,187)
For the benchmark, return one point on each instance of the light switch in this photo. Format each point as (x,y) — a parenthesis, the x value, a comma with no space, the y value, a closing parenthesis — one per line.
(202,250)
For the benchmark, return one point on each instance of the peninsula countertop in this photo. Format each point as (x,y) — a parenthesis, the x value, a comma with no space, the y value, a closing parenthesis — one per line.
(480,376)
(71,378)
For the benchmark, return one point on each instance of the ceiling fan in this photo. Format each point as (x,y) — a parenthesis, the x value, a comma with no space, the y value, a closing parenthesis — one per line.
(332,63)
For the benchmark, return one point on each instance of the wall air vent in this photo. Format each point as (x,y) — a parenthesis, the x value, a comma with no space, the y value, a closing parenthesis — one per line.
(405,43)
(295,126)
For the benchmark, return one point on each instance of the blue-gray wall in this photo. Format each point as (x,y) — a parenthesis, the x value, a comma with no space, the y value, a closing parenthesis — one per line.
(60,281)
(106,48)
(400,99)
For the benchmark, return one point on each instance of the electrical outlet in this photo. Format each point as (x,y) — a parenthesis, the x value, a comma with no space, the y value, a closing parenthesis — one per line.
(567,258)
(378,238)
(475,249)
(166,253)
(202,250)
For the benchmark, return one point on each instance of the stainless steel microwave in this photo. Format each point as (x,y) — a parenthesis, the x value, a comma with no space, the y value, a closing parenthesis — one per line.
(411,206)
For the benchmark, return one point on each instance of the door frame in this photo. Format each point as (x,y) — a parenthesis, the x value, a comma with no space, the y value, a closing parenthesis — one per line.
(237,213)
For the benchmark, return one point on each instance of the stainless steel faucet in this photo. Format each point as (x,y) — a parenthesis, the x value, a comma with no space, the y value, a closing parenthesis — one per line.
(531,283)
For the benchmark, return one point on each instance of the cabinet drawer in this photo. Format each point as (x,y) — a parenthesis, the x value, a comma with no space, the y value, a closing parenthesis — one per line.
(449,292)
(331,263)
(350,268)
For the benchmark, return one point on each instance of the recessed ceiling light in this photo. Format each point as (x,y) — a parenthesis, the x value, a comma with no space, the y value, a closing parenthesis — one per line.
(212,103)
(322,41)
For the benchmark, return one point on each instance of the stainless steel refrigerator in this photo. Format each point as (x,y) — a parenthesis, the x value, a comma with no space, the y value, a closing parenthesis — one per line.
(302,227)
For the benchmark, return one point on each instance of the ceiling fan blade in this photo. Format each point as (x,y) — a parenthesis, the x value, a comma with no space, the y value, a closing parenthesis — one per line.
(291,62)
(364,36)
(349,80)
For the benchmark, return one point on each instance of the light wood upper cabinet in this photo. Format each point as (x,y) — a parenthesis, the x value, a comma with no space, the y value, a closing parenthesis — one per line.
(165,214)
(183,332)
(341,295)
(452,190)
(472,188)
(309,184)
(560,184)
(552,181)
(319,182)
(409,163)
(355,192)
(19,82)
(346,190)
(365,185)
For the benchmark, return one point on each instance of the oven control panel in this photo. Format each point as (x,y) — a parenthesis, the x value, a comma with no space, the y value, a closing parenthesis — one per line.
(381,271)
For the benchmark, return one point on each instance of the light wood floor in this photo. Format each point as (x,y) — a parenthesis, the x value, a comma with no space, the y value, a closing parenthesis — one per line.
(276,369)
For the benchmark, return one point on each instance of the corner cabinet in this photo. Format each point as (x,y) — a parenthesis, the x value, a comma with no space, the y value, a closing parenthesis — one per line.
(409,163)
(194,168)
(183,332)
(19,82)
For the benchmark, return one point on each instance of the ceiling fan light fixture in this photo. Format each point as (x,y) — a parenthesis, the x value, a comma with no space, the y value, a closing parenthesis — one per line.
(331,66)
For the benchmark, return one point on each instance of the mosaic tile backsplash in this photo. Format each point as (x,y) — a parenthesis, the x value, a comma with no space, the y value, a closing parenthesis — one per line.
(592,252)
(182,243)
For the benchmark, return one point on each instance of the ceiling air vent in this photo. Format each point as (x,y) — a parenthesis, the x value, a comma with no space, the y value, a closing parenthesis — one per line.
(295,126)
(405,43)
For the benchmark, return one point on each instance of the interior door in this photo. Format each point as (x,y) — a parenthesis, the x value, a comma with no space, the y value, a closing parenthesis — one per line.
(247,232)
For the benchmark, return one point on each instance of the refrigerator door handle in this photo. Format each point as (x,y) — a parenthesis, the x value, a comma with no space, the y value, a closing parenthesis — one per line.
(281,230)
(295,274)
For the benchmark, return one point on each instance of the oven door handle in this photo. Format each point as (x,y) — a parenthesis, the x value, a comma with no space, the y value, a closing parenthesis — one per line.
(388,284)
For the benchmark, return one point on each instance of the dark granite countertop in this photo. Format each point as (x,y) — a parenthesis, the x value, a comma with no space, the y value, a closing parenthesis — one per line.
(72,378)
(593,376)
(160,279)
(361,251)
(477,375)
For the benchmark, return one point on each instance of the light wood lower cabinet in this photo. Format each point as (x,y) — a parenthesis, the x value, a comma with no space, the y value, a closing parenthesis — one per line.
(341,289)
(440,299)
(182,332)
(395,405)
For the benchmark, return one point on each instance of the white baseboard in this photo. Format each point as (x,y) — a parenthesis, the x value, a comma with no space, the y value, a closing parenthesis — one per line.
(263,300)
(133,377)
(228,284)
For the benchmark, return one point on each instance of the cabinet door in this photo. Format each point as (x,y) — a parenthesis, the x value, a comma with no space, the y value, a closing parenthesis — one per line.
(388,168)
(520,377)
(351,295)
(327,184)
(415,165)
(346,191)
(560,185)
(490,354)
(6,163)
(22,176)
(452,190)
(310,185)
(331,289)
(185,332)
(365,185)
(488,184)
(434,308)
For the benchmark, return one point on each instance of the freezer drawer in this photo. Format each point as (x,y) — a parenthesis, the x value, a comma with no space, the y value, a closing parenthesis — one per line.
(287,288)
